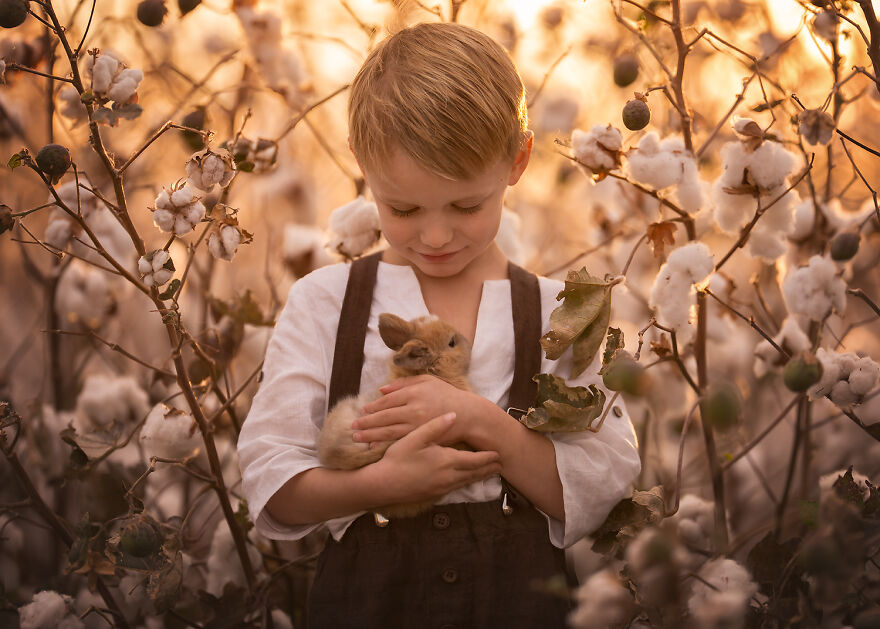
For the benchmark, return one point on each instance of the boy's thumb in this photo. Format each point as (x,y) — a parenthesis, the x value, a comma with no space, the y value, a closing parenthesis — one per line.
(431,431)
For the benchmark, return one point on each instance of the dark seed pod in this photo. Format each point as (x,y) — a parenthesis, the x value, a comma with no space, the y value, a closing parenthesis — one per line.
(53,160)
(844,246)
(626,70)
(624,374)
(13,13)
(186,6)
(195,120)
(152,12)
(636,114)
(139,538)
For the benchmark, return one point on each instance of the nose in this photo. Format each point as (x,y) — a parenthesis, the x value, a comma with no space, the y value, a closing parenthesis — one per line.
(436,234)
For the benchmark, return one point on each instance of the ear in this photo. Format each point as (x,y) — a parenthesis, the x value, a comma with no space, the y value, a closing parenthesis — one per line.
(394,330)
(522,158)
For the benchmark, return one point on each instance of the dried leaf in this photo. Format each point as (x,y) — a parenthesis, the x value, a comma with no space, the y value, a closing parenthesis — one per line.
(168,293)
(768,561)
(14,161)
(627,519)
(163,586)
(581,320)
(660,235)
(560,408)
(615,342)
(663,347)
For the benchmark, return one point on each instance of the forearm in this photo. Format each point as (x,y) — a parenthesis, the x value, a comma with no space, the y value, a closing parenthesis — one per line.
(321,494)
(528,458)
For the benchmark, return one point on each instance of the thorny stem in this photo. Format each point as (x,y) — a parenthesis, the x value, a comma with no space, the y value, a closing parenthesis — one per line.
(57,525)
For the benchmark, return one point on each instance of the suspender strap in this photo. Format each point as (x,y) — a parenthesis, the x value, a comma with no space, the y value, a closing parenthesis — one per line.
(525,297)
(348,356)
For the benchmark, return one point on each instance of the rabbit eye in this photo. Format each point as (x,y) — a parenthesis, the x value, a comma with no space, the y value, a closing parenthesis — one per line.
(452,342)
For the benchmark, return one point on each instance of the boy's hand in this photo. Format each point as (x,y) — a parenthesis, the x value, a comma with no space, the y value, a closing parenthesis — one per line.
(417,467)
(408,403)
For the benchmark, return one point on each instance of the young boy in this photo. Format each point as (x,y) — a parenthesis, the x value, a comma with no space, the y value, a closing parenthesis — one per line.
(438,124)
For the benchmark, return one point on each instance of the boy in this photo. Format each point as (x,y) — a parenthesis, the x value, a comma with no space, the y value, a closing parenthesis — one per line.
(438,124)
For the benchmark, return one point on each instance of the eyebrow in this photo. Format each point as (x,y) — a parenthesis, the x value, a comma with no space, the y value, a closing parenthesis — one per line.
(465,201)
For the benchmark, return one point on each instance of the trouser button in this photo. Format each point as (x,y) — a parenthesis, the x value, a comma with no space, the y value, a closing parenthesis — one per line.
(449,575)
(441,521)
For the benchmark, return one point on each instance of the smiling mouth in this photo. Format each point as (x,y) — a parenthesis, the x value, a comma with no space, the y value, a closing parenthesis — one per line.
(438,258)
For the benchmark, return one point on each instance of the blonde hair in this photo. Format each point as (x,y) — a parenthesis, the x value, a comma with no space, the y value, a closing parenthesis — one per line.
(446,94)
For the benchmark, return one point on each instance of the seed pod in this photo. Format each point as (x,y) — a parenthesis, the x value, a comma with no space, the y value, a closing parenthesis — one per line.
(13,12)
(195,120)
(186,6)
(636,114)
(6,220)
(53,160)
(801,372)
(626,70)
(844,246)
(139,538)
(721,406)
(151,12)
(624,374)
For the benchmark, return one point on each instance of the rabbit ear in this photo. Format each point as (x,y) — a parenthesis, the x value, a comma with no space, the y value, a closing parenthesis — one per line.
(394,330)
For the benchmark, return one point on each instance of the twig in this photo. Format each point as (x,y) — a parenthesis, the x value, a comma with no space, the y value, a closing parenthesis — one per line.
(865,181)
(86,31)
(114,346)
(684,429)
(750,320)
(583,254)
(751,444)
(17,66)
(677,357)
(547,76)
(789,475)
(308,109)
(721,122)
(858,292)
(632,254)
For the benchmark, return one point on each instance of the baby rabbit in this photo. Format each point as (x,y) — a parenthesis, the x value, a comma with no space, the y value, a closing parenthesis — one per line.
(423,345)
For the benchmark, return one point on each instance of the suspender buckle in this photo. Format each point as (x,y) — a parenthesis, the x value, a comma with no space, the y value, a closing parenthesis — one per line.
(517,413)
(506,509)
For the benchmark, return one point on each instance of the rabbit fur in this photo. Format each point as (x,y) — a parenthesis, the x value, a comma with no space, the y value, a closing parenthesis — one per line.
(425,345)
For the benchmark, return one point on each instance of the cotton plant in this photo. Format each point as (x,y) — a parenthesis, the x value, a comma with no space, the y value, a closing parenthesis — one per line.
(156,268)
(178,211)
(603,602)
(846,377)
(111,79)
(597,151)
(662,164)
(84,295)
(790,337)
(253,155)
(223,566)
(355,227)
(815,290)
(755,173)
(720,597)
(49,610)
(110,399)
(673,293)
(224,242)
(695,526)
(170,433)
(278,63)
(208,168)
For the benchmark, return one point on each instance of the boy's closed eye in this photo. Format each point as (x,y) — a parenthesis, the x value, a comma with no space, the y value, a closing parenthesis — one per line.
(464,210)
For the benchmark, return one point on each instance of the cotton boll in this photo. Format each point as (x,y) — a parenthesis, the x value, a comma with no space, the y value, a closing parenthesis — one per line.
(156,267)
(109,399)
(815,290)
(356,227)
(49,610)
(804,219)
(779,217)
(690,187)
(602,602)
(656,165)
(598,149)
(170,433)
(179,211)
(732,211)
(102,72)
(723,603)
(863,376)
(303,249)
(670,297)
(224,244)
(71,106)
(734,161)
(767,245)
(694,260)
(125,85)
(223,564)
(846,377)
(59,231)
(83,295)
(770,164)
(208,168)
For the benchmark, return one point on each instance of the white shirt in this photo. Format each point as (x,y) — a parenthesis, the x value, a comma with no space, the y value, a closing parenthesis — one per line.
(278,439)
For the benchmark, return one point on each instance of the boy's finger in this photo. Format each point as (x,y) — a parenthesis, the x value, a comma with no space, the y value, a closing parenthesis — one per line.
(467,460)
(430,432)
(385,433)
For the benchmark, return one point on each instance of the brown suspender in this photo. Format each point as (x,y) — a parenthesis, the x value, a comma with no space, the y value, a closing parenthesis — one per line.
(348,356)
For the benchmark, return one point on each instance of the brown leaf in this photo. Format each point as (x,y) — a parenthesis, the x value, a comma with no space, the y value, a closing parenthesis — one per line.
(663,347)
(660,235)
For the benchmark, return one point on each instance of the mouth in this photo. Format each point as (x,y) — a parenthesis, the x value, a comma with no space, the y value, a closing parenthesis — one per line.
(443,257)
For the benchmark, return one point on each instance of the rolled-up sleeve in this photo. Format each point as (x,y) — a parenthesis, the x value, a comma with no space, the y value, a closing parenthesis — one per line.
(597,469)
(277,440)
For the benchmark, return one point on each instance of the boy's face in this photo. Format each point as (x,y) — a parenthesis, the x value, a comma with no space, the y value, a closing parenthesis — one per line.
(440,226)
